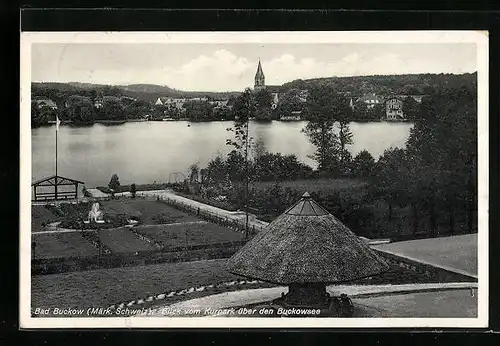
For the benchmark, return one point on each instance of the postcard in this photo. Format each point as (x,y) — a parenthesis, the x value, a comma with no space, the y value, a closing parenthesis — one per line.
(254,179)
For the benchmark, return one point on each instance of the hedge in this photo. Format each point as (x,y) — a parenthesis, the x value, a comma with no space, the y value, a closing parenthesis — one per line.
(116,260)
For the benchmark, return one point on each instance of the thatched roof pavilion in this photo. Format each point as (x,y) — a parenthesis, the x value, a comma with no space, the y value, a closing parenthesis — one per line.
(305,248)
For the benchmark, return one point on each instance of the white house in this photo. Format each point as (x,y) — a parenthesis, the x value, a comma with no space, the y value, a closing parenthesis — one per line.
(46,103)
(370,100)
(394,109)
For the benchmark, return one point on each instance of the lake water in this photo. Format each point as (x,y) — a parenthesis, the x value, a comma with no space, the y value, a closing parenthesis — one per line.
(143,152)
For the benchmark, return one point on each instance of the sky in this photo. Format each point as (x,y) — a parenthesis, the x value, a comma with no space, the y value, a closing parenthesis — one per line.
(231,67)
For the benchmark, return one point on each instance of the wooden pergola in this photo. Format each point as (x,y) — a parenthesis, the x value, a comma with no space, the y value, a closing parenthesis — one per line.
(55,181)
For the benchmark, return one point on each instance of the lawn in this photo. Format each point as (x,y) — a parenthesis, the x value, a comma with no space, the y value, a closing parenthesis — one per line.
(149,212)
(190,234)
(123,240)
(103,287)
(40,215)
(62,245)
(159,221)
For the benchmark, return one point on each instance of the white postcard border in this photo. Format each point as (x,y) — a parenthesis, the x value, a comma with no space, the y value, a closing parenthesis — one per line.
(480,38)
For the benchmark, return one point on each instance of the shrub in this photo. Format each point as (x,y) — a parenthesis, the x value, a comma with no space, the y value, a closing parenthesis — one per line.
(133,190)
(114,183)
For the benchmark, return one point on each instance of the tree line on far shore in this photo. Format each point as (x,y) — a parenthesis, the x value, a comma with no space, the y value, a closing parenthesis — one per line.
(78,105)
(79,109)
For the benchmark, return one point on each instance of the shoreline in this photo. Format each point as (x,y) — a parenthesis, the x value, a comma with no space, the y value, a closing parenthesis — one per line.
(120,122)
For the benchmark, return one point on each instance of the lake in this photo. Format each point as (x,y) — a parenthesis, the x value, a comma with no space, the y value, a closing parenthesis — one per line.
(144,152)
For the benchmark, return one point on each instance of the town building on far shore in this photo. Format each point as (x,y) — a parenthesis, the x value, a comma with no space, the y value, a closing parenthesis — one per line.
(45,103)
(394,106)
(276,91)
(370,100)
(293,116)
(394,109)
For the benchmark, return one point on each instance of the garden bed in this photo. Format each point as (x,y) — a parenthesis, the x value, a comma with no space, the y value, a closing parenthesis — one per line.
(41,216)
(149,212)
(189,235)
(123,240)
(117,213)
(56,245)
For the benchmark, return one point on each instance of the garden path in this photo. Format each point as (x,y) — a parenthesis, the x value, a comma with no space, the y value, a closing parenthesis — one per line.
(232,215)
(69,230)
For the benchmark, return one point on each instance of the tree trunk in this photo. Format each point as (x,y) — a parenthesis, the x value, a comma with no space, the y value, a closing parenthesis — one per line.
(470,215)
(470,204)
(415,218)
(389,216)
(432,217)
(452,221)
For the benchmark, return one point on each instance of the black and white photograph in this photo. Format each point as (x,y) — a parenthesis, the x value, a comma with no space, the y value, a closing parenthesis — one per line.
(254,179)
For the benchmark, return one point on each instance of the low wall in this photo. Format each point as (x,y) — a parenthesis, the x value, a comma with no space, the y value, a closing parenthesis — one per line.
(426,270)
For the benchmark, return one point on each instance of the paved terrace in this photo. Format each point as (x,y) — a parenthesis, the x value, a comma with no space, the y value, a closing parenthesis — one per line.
(456,253)
(415,300)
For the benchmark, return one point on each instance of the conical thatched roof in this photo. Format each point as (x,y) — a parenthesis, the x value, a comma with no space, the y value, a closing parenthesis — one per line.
(306,244)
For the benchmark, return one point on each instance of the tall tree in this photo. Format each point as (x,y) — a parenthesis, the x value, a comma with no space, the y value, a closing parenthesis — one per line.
(410,108)
(326,107)
(444,140)
(320,128)
(114,183)
(389,178)
(344,114)
(244,108)
(363,164)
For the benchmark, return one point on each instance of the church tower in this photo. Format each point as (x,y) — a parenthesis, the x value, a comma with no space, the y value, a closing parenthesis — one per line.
(260,82)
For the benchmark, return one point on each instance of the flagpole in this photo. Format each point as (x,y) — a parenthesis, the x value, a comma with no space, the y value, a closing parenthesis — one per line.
(57,130)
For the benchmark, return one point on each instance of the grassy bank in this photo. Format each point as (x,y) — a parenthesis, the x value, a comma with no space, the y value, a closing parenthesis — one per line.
(103,287)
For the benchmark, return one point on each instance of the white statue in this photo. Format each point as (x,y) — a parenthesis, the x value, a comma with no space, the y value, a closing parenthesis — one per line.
(95,213)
